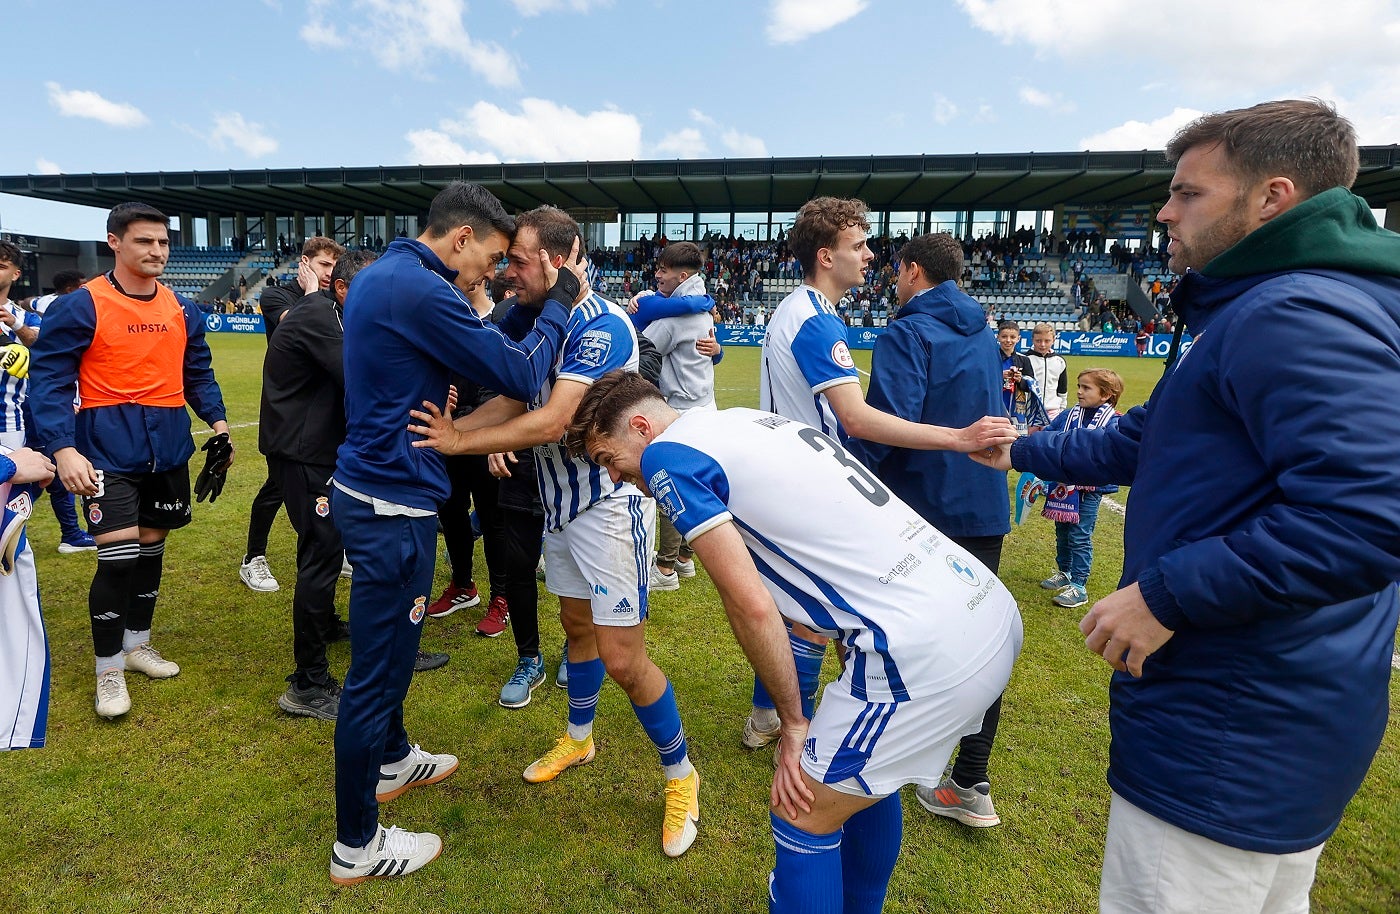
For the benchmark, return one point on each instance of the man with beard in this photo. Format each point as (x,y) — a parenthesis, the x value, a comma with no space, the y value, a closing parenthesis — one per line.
(1252,632)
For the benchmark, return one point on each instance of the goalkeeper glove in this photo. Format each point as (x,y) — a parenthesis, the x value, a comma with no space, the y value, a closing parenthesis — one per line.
(219,454)
(14,360)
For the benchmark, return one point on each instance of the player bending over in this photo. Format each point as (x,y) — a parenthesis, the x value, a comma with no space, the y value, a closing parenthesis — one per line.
(928,635)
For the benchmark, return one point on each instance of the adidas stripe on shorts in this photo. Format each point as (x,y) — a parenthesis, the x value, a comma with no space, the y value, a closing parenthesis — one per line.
(871,748)
(604,556)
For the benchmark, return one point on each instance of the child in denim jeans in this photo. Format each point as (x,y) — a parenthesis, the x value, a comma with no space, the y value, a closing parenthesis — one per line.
(1075,509)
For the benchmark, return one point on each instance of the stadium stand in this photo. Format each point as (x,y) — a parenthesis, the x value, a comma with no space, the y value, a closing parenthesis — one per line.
(206,274)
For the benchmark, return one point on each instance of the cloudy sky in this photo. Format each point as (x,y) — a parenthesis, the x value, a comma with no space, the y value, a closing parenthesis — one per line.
(174,86)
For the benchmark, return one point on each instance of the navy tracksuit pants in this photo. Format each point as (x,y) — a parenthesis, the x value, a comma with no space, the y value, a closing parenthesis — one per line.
(393,558)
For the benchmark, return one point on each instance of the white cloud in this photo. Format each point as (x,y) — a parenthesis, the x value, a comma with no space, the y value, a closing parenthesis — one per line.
(82,103)
(540,130)
(410,35)
(791,21)
(536,7)
(744,145)
(686,143)
(44,167)
(943,109)
(433,147)
(1374,110)
(1243,46)
(316,31)
(1050,101)
(543,131)
(735,141)
(233,130)
(1135,135)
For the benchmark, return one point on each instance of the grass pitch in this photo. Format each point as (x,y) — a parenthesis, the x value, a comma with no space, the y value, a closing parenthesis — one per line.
(206,798)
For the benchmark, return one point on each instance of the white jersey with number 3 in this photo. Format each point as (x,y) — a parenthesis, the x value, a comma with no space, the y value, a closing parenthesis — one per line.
(837,550)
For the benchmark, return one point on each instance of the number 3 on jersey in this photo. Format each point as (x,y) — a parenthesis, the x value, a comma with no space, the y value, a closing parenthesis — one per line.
(862,480)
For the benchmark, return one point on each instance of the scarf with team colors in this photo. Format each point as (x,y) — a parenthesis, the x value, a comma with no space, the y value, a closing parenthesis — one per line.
(1062,500)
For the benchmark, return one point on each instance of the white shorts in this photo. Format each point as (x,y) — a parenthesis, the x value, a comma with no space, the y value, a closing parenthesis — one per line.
(1153,867)
(874,748)
(604,556)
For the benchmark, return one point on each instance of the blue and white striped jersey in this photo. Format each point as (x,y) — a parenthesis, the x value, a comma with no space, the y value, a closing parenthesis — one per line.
(598,338)
(13,390)
(915,613)
(804,353)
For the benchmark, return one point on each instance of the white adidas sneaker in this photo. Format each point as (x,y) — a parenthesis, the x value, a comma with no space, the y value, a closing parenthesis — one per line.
(391,852)
(421,769)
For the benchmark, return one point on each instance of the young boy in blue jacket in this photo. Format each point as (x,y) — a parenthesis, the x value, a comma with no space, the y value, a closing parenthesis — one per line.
(1075,509)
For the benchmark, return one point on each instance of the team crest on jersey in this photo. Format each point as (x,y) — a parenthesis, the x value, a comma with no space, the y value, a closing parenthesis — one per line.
(95,514)
(420,606)
(667,498)
(965,572)
(593,348)
(323,507)
(841,355)
(22,504)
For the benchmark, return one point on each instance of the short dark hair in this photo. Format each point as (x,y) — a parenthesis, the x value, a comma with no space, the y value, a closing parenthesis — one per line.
(462,203)
(348,265)
(318,243)
(939,255)
(819,223)
(682,255)
(67,280)
(555,229)
(1305,140)
(603,406)
(123,214)
(1008,325)
(11,254)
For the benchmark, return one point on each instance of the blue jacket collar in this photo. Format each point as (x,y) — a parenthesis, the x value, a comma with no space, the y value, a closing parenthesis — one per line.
(424,253)
(949,304)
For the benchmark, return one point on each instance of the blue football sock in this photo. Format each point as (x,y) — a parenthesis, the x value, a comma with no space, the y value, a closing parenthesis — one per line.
(806,875)
(761,699)
(869,847)
(808,657)
(585,682)
(662,721)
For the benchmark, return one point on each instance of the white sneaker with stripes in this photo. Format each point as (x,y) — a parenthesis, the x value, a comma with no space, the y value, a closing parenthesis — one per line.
(392,852)
(420,769)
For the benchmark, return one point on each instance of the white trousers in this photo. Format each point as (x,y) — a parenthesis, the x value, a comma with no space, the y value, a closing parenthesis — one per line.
(1150,867)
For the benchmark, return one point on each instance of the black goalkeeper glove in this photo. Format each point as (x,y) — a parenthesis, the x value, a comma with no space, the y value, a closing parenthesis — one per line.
(219,454)
(566,288)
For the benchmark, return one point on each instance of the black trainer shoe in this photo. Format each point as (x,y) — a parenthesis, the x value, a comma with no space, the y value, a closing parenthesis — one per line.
(320,702)
(429,661)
